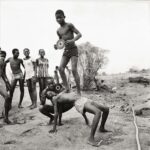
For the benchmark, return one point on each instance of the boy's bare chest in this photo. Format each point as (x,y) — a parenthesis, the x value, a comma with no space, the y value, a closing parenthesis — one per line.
(64,30)
(15,62)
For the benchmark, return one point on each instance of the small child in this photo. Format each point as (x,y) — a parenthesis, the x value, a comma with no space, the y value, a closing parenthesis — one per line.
(66,33)
(15,64)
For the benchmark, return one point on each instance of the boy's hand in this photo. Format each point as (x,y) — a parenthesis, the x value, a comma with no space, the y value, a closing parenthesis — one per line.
(55,46)
(69,42)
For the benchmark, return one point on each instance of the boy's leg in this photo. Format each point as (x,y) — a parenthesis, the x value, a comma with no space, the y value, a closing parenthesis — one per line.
(41,85)
(4,93)
(13,85)
(30,90)
(63,64)
(74,63)
(34,94)
(105,111)
(21,84)
(47,110)
(88,107)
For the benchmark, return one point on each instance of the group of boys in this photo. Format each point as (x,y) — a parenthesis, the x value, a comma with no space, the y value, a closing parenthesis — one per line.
(65,100)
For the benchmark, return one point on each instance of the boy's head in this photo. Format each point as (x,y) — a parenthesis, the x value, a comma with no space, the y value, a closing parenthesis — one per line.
(50,83)
(26,52)
(15,52)
(42,52)
(60,16)
(57,68)
(2,54)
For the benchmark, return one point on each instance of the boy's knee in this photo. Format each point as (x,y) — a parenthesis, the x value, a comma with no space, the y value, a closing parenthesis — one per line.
(74,71)
(41,109)
(106,110)
(61,69)
(98,112)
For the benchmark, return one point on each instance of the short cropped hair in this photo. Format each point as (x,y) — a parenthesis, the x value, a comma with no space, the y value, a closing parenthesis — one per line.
(3,53)
(60,12)
(14,50)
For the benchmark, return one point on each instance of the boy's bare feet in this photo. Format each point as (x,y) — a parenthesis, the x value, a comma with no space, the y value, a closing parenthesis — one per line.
(7,121)
(20,106)
(103,130)
(94,143)
(33,106)
(50,121)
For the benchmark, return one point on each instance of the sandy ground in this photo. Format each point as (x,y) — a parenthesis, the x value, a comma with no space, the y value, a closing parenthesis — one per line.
(30,131)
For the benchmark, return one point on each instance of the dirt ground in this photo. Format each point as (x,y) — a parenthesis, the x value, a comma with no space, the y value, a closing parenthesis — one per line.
(30,129)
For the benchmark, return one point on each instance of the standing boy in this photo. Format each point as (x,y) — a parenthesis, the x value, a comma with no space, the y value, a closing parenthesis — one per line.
(66,33)
(4,83)
(30,76)
(15,64)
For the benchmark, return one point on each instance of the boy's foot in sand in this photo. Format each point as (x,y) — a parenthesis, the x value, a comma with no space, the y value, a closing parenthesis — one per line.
(7,121)
(30,105)
(103,130)
(50,121)
(94,143)
(20,106)
(33,106)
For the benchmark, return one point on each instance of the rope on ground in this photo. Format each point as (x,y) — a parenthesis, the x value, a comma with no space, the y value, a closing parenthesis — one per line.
(137,132)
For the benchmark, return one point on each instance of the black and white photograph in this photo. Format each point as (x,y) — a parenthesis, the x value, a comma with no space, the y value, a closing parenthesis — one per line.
(74,75)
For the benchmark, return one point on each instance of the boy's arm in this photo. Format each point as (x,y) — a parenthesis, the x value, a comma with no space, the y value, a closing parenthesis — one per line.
(76,31)
(21,62)
(55,45)
(8,86)
(7,60)
(43,96)
(86,119)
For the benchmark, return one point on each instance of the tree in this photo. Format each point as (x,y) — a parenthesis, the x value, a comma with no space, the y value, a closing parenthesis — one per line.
(91,59)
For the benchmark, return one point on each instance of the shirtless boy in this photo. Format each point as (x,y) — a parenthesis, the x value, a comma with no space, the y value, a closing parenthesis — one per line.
(15,64)
(4,83)
(66,33)
(82,105)
(48,110)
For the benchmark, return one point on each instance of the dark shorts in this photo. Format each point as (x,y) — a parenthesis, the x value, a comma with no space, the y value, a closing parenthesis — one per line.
(71,52)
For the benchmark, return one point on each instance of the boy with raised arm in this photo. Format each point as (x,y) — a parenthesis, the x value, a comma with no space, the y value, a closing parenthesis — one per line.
(66,32)
(15,65)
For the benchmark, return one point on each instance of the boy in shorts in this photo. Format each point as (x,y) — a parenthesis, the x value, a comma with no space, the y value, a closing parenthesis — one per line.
(4,87)
(66,32)
(82,105)
(15,65)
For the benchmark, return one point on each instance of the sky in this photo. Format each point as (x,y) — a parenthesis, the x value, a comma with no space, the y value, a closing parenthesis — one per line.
(122,27)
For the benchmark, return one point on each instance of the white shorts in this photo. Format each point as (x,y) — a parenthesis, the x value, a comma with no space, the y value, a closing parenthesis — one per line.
(79,104)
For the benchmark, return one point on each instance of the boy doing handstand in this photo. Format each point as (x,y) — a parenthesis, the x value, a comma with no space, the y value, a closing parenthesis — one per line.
(82,105)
